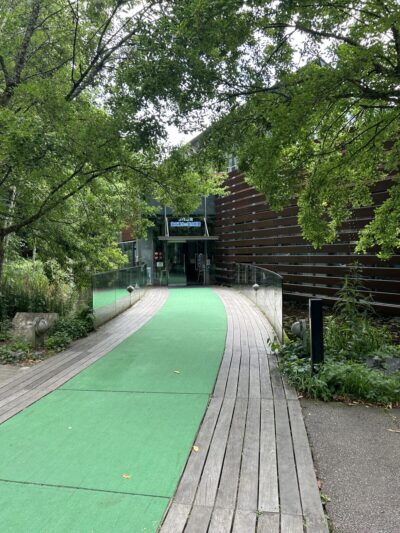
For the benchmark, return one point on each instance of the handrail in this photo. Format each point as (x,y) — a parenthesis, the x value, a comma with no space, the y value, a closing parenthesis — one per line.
(261,268)
(119,269)
(264,288)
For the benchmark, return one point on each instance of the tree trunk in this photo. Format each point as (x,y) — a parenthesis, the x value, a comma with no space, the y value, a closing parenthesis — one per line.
(4,235)
(2,256)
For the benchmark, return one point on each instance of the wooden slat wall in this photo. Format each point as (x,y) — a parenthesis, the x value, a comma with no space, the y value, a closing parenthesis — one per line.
(250,232)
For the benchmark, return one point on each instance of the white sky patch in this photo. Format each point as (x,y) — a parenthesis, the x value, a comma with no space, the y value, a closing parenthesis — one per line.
(177,137)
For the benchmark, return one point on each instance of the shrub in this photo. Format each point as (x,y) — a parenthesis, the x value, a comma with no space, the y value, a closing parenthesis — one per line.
(355,338)
(341,380)
(351,332)
(58,341)
(5,329)
(68,329)
(33,286)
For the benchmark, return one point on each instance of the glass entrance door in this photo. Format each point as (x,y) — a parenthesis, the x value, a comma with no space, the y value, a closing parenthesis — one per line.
(176,255)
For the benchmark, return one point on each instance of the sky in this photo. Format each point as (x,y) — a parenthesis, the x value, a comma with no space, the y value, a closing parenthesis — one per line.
(175,136)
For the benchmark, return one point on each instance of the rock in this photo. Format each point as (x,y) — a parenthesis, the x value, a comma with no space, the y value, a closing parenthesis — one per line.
(299,328)
(33,327)
(392,364)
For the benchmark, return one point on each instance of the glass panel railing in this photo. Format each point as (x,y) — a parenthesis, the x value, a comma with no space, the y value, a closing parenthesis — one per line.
(264,288)
(115,291)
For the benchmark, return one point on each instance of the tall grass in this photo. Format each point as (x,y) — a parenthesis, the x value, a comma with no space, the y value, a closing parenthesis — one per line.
(34,286)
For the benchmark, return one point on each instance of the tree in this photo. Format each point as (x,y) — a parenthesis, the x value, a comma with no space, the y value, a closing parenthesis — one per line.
(75,165)
(307,94)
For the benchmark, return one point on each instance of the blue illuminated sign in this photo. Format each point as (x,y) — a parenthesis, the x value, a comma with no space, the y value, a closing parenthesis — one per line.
(185,223)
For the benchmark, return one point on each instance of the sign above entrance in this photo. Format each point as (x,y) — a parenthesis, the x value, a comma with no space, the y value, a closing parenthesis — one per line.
(185,223)
(186,226)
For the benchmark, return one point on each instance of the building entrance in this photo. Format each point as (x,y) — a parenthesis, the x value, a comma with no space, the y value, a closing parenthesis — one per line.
(188,261)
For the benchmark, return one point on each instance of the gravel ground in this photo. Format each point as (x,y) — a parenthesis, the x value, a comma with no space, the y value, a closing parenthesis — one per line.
(358,462)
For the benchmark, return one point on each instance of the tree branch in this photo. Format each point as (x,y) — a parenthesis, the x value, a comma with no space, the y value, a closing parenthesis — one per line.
(47,207)
(21,56)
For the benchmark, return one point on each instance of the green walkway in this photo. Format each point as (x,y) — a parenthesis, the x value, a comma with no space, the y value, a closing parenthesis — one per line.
(105,451)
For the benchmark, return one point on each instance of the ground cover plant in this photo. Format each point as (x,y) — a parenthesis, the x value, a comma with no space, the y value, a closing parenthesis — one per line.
(67,330)
(361,354)
(14,350)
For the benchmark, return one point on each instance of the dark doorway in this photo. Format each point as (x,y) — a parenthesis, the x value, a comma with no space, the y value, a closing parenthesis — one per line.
(189,262)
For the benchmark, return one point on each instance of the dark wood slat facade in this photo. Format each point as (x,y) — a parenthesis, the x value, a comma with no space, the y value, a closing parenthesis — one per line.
(249,232)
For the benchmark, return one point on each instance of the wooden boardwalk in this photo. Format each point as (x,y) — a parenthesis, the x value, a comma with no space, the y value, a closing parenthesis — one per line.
(253,470)
(25,388)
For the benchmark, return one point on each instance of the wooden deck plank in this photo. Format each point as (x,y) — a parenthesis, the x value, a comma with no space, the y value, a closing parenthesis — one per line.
(176,518)
(221,520)
(268,499)
(315,524)
(309,491)
(233,377)
(244,521)
(244,372)
(187,488)
(289,496)
(291,523)
(199,519)
(255,385)
(249,474)
(222,379)
(209,480)
(290,391)
(228,486)
(268,523)
(276,379)
(265,378)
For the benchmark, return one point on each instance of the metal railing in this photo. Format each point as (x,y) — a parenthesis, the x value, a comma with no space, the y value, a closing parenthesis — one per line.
(116,290)
(264,288)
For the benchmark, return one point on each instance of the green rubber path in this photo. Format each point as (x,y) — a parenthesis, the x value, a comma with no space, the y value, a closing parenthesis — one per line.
(105,451)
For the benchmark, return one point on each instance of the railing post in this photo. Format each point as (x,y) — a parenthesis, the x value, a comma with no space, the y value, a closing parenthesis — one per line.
(316,332)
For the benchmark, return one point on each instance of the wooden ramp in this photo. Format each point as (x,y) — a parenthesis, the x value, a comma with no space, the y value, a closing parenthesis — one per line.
(251,470)
(27,387)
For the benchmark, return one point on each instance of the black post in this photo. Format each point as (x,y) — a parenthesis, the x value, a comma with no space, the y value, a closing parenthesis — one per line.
(316,332)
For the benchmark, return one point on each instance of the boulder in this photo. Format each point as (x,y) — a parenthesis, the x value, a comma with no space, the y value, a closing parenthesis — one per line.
(33,327)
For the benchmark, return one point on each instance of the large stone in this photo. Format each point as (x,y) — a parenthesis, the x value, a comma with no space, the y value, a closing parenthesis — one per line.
(33,327)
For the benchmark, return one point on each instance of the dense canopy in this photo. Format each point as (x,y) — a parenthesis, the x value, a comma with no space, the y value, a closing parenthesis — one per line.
(306,93)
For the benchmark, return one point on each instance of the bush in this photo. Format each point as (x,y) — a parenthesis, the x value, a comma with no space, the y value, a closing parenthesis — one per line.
(354,339)
(351,332)
(58,341)
(33,286)
(339,379)
(351,337)
(5,329)
(69,329)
